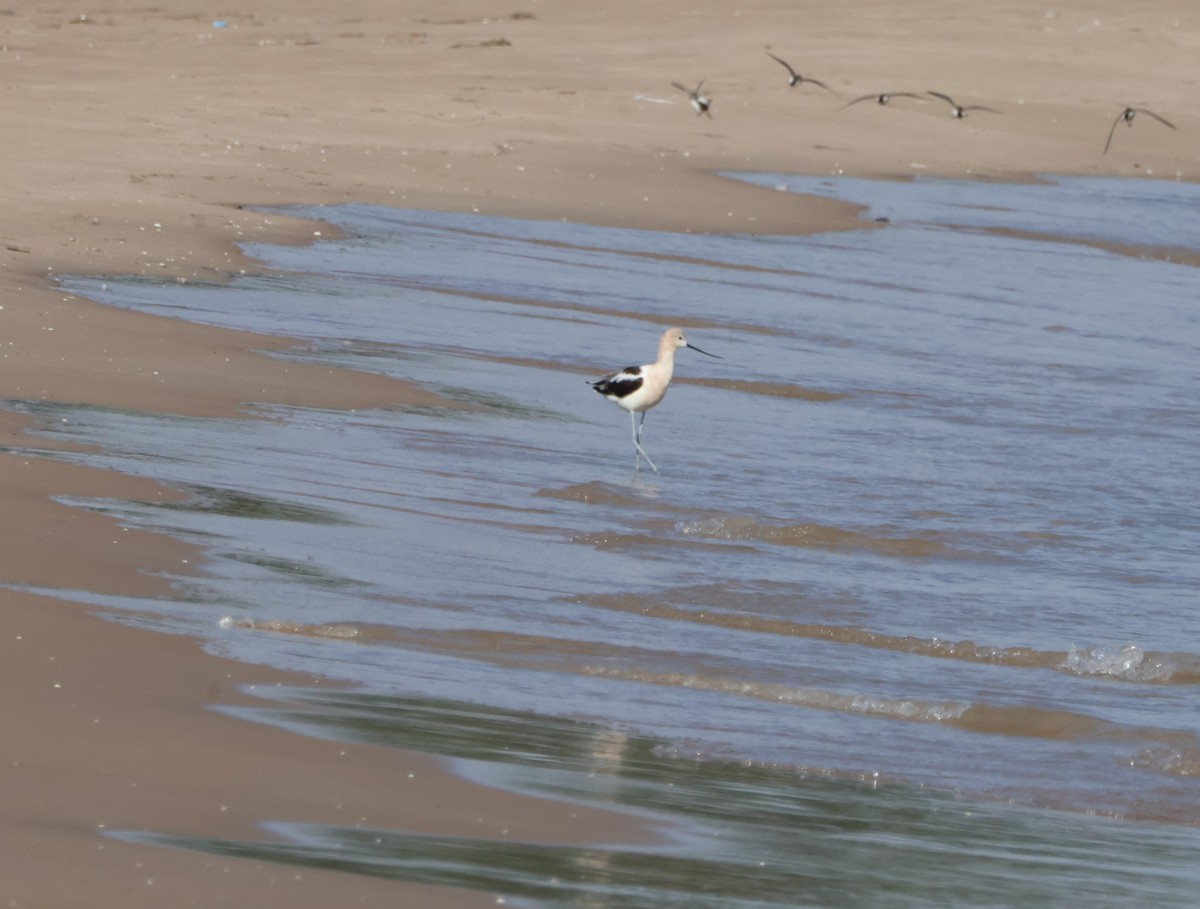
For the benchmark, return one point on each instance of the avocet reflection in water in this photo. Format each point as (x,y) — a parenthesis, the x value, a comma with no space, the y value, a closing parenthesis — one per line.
(916,584)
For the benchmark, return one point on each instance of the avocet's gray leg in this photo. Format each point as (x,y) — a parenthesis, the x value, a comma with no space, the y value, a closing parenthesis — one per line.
(637,442)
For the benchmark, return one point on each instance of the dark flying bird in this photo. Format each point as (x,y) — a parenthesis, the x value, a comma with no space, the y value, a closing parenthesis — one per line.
(638,388)
(960,112)
(699,101)
(883,98)
(1127,115)
(794,78)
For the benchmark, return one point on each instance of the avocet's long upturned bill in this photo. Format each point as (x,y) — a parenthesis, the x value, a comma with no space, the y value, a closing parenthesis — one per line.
(638,388)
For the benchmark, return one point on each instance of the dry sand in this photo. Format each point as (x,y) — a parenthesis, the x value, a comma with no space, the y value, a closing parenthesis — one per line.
(136,134)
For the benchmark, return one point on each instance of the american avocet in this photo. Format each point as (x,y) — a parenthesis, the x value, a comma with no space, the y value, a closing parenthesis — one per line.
(958,111)
(1127,115)
(699,101)
(638,388)
(881,98)
(794,78)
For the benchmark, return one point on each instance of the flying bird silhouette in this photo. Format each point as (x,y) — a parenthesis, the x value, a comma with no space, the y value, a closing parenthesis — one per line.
(794,78)
(698,100)
(883,98)
(1127,115)
(959,111)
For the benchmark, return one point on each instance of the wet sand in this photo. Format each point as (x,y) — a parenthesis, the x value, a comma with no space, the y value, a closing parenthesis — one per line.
(138,137)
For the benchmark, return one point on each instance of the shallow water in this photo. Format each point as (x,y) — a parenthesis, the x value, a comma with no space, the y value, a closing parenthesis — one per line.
(916,583)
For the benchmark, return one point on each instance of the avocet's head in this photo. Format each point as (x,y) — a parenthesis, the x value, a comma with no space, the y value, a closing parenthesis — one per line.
(673,339)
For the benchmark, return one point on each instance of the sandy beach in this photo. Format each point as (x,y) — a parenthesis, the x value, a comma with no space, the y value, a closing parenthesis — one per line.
(141,140)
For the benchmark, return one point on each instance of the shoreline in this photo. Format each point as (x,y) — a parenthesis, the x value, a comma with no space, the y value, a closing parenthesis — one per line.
(142,142)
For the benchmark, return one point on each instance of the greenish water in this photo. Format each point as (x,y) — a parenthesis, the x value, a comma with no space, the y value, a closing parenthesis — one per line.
(733,835)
